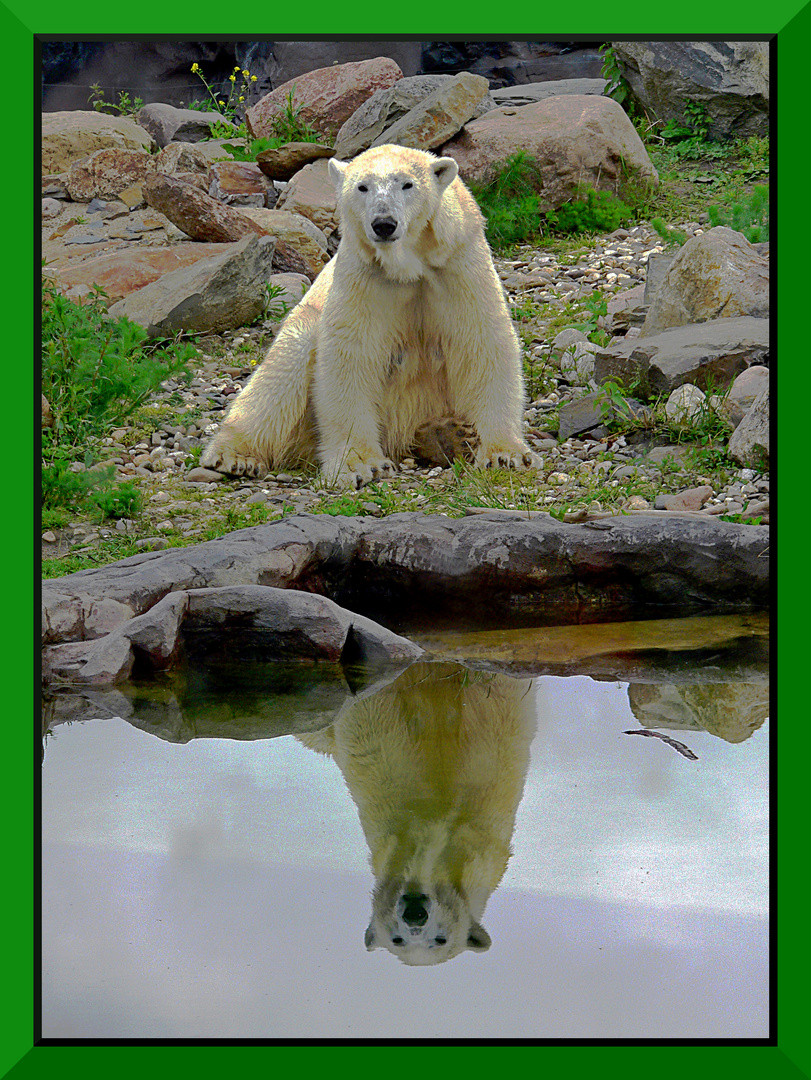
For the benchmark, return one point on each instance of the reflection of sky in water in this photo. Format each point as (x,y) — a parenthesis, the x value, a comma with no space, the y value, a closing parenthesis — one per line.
(221,889)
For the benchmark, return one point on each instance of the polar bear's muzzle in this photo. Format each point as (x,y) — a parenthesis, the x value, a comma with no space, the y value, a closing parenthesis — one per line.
(414,909)
(384,229)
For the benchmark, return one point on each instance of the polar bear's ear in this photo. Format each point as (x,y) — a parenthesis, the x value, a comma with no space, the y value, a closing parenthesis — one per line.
(336,172)
(445,170)
(478,939)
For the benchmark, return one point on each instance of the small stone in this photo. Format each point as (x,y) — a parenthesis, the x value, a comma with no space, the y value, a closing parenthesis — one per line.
(691,499)
(199,475)
(49,537)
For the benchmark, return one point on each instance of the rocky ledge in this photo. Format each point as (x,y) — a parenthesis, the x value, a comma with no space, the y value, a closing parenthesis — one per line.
(252,589)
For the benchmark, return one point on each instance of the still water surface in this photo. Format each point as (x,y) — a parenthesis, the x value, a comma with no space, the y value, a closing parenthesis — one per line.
(222,888)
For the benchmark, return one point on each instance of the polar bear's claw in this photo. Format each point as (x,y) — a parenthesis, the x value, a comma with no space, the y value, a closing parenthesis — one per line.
(495,458)
(233,464)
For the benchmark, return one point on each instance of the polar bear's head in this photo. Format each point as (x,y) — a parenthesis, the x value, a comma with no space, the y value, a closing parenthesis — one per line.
(423,926)
(386,198)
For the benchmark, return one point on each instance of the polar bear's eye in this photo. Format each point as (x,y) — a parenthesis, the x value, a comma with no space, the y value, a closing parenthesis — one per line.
(362,187)
(407,185)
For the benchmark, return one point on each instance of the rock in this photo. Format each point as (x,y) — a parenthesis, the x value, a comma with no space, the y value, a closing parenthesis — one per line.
(89,663)
(714,351)
(301,247)
(748,385)
(439,116)
(685,401)
(730,710)
(690,499)
(749,442)
(537,91)
(325,97)
(47,417)
(123,272)
(476,568)
(238,183)
(285,161)
(166,123)
(68,137)
(730,78)
(295,286)
(50,208)
(385,107)
(311,193)
(285,624)
(716,275)
(587,412)
(183,157)
(574,139)
(200,475)
(106,173)
(215,294)
(197,214)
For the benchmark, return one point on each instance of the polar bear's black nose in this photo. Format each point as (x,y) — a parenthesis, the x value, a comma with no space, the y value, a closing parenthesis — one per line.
(384,227)
(415,912)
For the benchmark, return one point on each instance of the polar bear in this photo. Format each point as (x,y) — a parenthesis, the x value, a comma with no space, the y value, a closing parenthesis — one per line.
(407,325)
(436,764)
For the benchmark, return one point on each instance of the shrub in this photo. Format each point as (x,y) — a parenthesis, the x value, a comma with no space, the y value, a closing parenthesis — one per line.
(95,371)
(592,211)
(509,202)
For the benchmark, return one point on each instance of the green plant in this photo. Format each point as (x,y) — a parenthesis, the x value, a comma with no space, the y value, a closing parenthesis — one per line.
(125,106)
(591,211)
(288,126)
(276,309)
(250,152)
(95,371)
(509,202)
(233,103)
(671,236)
(749,216)
(617,85)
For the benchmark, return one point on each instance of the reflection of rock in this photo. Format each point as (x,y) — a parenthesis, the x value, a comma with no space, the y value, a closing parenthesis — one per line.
(436,764)
(732,711)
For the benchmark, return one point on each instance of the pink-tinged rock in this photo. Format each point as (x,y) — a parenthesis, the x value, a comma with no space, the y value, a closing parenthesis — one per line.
(240,183)
(106,173)
(691,499)
(284,162)
(195,213)
(124,272)
(575,139)
(327,96)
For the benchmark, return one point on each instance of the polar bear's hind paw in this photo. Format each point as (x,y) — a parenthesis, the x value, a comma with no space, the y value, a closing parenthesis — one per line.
(234,464)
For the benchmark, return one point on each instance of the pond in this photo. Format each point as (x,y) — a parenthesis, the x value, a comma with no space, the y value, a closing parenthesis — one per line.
(474,848)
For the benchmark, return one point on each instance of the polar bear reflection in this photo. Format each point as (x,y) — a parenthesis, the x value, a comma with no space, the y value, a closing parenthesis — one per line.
(436,764)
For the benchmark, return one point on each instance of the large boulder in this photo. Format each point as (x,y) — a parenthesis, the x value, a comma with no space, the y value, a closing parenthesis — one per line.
(301,246)
(574,139)
(716,275)
(325,98)
(385,107)
(529,92)
(438,116)
(709,354)
(283,162)
(71,136)
(215,294)
(732,711)
(195,212)
(278,62)
(730,78)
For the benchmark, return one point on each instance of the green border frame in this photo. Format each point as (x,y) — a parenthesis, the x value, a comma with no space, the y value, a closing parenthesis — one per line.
(791,23)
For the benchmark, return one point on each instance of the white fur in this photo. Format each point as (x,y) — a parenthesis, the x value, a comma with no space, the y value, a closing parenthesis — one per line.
(436,764)
(406,324)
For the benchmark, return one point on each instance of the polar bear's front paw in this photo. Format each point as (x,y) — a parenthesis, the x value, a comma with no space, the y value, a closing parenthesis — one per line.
(228,461)
(354,471)
(507,457)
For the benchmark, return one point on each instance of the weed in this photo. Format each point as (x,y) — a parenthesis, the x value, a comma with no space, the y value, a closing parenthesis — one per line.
(591,211)
(231,106)
(509,202)
(749,216)
(125,107)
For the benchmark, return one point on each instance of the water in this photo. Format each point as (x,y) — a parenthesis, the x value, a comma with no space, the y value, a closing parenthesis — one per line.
(220,887)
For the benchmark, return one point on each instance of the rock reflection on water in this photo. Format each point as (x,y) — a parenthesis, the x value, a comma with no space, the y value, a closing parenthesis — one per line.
(436,764)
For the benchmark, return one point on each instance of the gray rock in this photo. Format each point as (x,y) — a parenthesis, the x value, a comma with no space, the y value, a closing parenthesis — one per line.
(716,275)
(717,350)
(473,568)
(166,124)
(749,442)
(439,116)
(748,385)
(731,78)
(215,294)
(587,412)
(656,268)
(388,105)
(729,710)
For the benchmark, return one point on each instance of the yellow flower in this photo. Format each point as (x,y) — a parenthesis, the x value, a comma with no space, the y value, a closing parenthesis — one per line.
(195,68)
(245,73)
(253,78)
(236,68)
(241,98)
(232,78)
